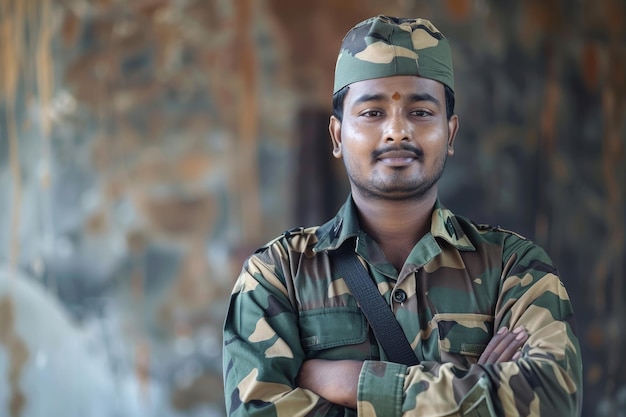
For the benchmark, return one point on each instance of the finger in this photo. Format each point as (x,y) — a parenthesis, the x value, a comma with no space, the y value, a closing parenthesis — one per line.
(499,347)
(513,346)
(503,348)
(493,343)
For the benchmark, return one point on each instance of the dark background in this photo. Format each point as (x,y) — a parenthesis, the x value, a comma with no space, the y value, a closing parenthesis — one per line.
(147,147)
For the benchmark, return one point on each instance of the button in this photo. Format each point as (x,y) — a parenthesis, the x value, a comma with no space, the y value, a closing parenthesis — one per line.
(399,296)
(450,227)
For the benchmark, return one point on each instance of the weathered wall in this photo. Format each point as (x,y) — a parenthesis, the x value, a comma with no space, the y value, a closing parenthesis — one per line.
(147,147)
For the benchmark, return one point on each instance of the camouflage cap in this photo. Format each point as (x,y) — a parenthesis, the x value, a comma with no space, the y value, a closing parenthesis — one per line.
(384,46)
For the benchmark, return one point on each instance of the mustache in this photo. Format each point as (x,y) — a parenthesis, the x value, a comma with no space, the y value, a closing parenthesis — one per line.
(403,147)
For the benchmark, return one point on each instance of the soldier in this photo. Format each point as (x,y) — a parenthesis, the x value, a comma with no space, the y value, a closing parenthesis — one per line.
(483,309)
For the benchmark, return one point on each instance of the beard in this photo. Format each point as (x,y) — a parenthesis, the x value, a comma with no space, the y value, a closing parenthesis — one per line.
(397,187)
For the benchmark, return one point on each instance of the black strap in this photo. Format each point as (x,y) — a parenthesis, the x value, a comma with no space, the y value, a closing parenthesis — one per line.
(378,313)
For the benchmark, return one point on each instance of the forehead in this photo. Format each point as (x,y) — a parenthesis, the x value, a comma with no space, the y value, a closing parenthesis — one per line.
(392,87)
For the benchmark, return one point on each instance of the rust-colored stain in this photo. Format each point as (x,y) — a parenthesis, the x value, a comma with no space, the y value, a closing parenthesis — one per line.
(70,28)
(615,12)
(189,215)
(97,223)
(193,167)
(459,10)
(590,65)
(142,367)
(17,353)
(596,336)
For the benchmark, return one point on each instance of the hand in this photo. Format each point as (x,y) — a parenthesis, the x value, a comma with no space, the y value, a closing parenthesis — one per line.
(335,381)
(504,346)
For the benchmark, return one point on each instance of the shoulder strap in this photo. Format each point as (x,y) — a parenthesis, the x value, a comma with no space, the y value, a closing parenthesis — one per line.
(378,313)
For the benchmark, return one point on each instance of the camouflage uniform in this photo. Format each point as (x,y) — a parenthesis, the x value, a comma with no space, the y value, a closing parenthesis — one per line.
(460,284)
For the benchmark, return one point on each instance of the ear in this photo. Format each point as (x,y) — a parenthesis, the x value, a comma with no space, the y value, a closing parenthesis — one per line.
(453,128)
(334,128)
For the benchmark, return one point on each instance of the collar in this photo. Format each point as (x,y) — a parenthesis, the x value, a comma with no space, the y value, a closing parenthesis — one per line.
(345,225)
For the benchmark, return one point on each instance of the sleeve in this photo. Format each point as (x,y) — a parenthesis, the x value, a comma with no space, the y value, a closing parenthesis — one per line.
(262,353)
(545,381)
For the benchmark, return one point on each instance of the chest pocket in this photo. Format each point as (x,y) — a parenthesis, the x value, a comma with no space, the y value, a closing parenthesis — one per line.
(334,333)
(463,337)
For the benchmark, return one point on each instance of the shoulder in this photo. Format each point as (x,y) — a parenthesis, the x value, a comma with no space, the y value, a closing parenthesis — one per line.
(467,235)
(276,263)
(487,230)
(490,234)
(295,239)
(512,245)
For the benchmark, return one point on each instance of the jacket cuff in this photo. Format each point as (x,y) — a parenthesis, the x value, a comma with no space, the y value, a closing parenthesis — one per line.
(381,389)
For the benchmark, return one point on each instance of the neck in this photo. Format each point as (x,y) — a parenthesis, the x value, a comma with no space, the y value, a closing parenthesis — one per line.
(396,225)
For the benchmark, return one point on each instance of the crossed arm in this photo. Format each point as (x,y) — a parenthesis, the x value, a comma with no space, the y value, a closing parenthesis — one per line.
(265,373)
(337,381)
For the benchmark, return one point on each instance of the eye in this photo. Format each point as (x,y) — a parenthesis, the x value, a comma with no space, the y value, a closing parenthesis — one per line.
(372,113)
(421,113)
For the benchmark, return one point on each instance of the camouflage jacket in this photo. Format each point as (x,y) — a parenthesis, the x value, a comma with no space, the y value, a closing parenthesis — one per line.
(459,285)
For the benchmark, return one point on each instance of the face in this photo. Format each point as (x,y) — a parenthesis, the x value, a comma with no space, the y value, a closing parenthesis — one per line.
(395,137)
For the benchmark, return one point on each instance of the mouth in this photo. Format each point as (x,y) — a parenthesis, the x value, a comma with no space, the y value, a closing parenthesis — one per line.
(398,158)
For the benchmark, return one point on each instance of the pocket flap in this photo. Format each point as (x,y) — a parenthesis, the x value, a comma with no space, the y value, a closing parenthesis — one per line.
(466,334)
(331,327)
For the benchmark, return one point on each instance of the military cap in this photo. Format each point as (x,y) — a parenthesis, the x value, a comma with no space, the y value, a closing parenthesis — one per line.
(385,46)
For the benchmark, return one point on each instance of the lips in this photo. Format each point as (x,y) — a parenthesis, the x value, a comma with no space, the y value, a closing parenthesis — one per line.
(398,154)
(398,157)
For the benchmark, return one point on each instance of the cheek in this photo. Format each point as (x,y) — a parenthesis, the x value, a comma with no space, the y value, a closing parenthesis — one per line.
(359,139)
(435,139)
(353,156)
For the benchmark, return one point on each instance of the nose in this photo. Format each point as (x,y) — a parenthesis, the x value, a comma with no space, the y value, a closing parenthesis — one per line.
(397,130)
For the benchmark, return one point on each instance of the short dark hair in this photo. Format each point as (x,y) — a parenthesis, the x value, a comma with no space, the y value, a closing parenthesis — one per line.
(340,95)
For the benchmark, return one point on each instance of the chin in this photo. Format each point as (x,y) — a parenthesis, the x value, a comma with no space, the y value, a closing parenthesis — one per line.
(398,194)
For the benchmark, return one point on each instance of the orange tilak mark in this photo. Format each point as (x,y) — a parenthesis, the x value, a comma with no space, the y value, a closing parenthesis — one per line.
(396,96)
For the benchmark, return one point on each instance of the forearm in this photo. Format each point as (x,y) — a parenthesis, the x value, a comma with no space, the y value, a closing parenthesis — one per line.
(255,384)
(262,354)
(545,380)
(338,381)
(335,381)
(389,389)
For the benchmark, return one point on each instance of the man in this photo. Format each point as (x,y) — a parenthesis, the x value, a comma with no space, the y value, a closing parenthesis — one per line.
(484,311)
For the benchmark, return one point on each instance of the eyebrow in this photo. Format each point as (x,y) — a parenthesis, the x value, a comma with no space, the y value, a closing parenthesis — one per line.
(413,98)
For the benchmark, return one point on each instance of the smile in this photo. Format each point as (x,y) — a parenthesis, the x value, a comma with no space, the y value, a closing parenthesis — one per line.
(397,158)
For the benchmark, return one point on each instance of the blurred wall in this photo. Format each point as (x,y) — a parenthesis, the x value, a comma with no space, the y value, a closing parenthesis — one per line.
(147,147)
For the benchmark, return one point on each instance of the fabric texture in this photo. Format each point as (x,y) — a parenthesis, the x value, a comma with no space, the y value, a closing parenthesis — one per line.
(462,282)
(385,46)
(379,316)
